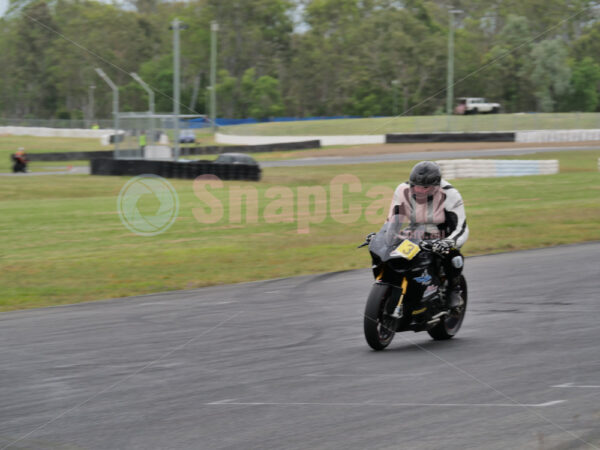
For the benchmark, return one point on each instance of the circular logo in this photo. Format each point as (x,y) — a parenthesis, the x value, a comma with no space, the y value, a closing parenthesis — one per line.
(148,205)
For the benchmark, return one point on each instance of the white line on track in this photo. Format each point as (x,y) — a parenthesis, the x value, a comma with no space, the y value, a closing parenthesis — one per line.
(232,402)
(152,304)
(573,385)
(370,375)
(139,305)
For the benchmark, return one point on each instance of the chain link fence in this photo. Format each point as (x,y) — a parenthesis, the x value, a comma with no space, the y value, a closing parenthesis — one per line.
(350,126)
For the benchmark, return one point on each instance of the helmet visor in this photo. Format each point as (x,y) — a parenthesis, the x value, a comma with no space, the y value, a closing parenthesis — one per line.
(424,190)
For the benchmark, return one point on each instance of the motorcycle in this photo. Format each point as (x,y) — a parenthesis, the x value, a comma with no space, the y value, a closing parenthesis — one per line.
(19,163)
(410,287)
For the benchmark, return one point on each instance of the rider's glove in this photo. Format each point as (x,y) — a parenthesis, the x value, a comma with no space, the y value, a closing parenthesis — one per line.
(442,246)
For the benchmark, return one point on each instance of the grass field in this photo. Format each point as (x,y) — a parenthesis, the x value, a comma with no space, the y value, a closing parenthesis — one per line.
(422,124)
(62,240)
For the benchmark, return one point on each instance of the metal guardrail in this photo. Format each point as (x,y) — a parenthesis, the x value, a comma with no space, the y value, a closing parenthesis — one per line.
(402,138)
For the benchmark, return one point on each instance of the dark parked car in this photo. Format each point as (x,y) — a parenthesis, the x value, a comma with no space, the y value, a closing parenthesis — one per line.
(236,158)
(247,165)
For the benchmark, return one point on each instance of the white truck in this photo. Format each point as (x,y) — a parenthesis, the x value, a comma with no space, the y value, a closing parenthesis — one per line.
(476,105)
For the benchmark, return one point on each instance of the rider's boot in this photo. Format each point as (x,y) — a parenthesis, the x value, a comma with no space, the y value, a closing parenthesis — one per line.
(453,293)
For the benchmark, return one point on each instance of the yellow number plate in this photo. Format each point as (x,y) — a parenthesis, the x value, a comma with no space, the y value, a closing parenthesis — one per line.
(408,249)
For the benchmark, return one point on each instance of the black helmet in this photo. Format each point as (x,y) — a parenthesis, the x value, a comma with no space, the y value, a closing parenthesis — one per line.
(426,173)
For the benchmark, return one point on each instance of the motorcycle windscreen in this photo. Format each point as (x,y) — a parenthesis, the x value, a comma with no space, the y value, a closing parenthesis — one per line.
(387,238)
(396,230)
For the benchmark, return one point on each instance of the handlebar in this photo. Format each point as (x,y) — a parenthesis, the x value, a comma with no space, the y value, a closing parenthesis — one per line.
(426,245)
(368,239)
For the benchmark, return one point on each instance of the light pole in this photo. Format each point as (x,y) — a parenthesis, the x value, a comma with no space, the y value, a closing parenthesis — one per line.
(176,25)
(450,80)
(214,27)
(91,103)
(115,91)
(207,101)
(150,92)
(395,84)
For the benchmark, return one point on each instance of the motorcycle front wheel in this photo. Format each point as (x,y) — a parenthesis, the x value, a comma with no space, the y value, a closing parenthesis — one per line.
(449,325)
(379,325)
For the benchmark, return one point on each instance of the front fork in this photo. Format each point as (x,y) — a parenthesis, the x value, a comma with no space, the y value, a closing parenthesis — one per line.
(397,314)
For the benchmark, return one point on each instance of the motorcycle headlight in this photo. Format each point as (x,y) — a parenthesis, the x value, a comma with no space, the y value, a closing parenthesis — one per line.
(457,262)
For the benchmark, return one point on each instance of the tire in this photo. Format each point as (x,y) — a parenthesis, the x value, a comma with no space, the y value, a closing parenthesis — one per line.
(379,326)
(449,325)
(474,111)
(495,110)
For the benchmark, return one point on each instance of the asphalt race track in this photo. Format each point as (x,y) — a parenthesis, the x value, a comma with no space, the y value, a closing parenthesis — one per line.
(344,160)
(283,364)
(394,157)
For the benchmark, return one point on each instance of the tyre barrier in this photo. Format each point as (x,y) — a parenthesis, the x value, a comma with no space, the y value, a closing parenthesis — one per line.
(489,168)
(404,138)
(171,169)
(543,136)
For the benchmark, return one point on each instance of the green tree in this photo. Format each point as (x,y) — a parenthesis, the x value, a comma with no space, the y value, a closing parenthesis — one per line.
(342,61)
(253,34)
(35,92)
(119,42)
(353,50)
(550,73)
(158,73)
(507,66)
(266,98)
(246,92)
(584,86)
(588,44)
(226,94)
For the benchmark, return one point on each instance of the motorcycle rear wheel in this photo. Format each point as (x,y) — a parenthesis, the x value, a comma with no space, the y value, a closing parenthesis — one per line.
(450,324)
(379,325)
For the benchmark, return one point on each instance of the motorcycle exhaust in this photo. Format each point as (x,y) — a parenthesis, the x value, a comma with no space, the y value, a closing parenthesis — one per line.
(436,319)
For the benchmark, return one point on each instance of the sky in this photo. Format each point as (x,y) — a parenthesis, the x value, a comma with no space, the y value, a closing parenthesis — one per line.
(300,27)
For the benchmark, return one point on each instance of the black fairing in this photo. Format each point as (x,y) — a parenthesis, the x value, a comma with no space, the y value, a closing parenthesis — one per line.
(421,271)
(383,242)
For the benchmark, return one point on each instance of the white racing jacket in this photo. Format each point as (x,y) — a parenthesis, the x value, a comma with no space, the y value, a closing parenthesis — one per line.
(443,212)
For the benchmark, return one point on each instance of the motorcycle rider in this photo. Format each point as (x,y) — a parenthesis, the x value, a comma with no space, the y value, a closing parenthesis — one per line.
(426,199)
(20,161)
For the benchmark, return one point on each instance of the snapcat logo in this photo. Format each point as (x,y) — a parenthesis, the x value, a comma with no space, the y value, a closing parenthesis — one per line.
(148,205)
(303,205)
